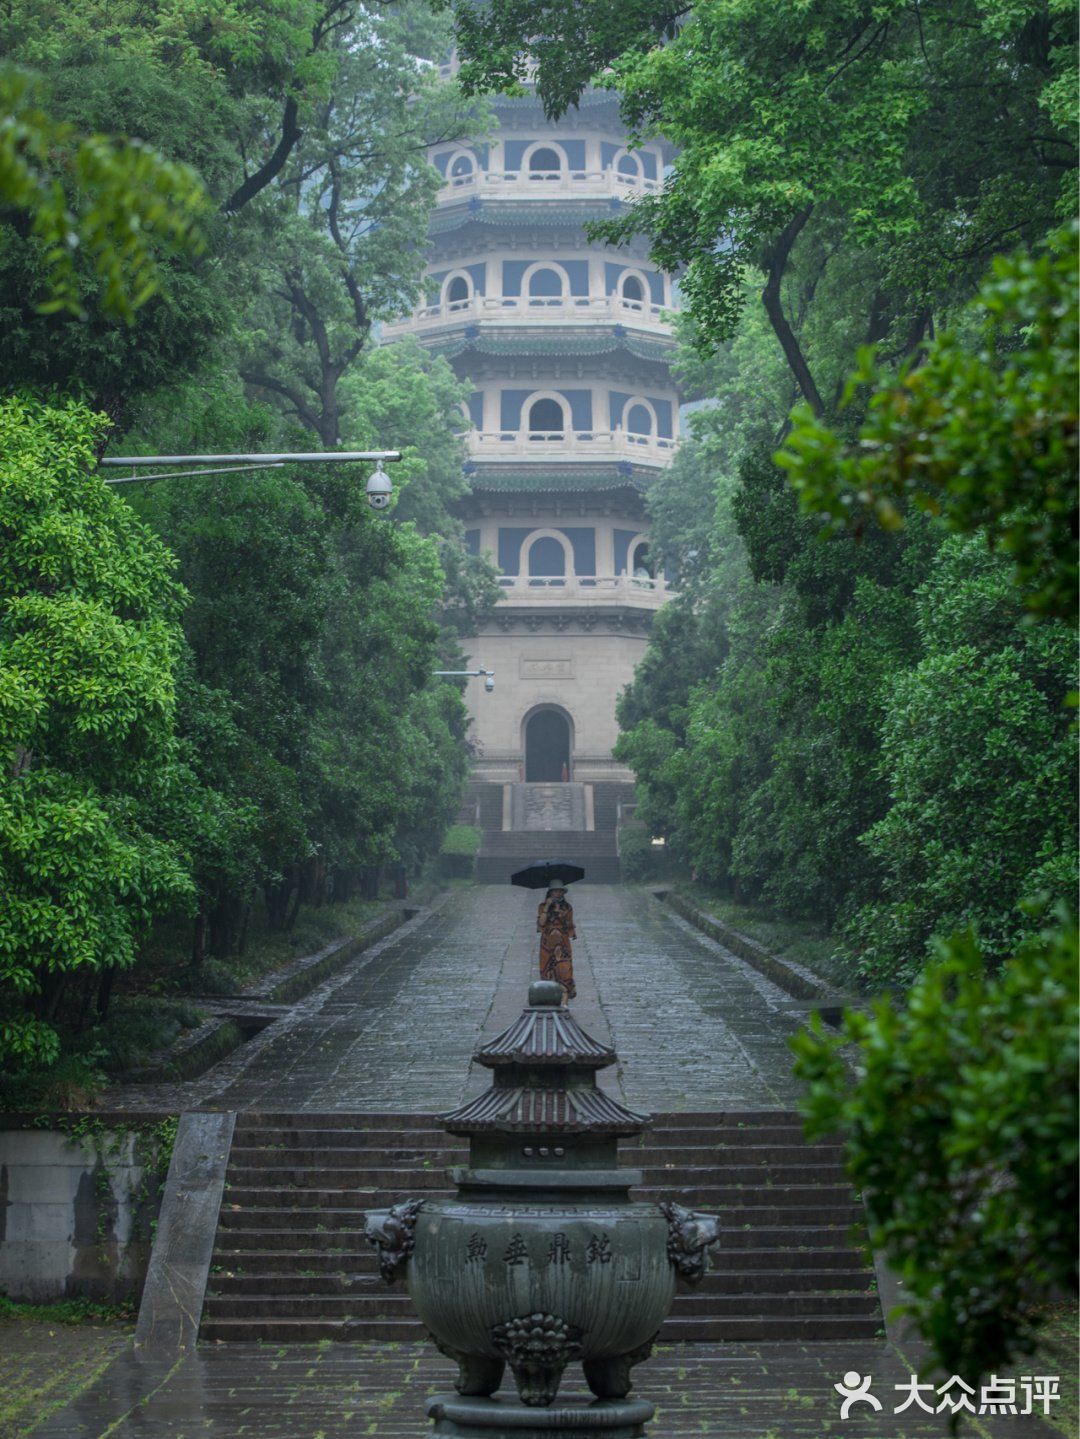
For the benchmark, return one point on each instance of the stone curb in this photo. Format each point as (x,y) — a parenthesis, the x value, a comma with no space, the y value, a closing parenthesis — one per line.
(172,1297)
(305,974)
(793,979)
(222,1033)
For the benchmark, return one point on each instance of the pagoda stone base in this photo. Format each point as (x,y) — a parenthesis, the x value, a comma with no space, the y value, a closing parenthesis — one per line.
(510,1419)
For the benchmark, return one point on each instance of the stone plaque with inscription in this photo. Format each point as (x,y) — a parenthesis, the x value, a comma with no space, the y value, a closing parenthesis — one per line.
(547,669)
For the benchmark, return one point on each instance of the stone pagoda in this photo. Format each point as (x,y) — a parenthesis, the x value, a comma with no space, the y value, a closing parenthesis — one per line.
(566,345)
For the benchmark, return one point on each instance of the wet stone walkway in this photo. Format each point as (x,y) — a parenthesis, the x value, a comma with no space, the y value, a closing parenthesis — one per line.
(339,1391)
(695,1027)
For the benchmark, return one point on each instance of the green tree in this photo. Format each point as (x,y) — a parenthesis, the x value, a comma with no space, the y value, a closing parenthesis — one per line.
(978,756)
(984,437)
(89,638)
(921,138)
(341,222)
(962,1135)
(127,209)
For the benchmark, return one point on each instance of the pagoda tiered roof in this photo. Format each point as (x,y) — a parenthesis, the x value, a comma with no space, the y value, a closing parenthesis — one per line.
(553,343)
(598,478)
(553,212)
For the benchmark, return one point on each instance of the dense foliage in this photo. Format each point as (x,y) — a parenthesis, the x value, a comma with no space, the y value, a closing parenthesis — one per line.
(972,1088)
(866,728)
(218,691)
(89,639)
(891,148)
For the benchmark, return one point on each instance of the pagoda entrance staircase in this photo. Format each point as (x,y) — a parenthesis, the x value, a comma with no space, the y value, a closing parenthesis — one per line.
(563,820)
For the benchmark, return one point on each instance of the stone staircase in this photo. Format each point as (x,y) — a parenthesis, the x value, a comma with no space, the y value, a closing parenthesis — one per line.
(548,821)
(291,1264)
(504,851)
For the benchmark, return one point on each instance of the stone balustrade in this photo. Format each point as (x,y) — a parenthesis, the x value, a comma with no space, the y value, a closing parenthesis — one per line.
(518,310)
(607,184)
(588,590)
(545,446)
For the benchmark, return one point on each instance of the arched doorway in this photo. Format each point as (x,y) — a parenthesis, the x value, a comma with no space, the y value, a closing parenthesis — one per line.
(547,746)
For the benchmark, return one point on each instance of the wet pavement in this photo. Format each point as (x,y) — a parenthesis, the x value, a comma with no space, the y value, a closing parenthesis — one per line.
(695,1027)
(338,1391)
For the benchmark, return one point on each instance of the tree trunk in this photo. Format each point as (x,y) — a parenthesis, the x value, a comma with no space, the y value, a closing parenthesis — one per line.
(776,264)
(105,989)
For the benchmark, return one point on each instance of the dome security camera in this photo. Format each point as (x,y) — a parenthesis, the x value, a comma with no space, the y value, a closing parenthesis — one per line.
(379,489)
(489,683)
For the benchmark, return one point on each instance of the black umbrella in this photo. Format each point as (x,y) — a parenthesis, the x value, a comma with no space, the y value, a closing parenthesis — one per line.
(543,873)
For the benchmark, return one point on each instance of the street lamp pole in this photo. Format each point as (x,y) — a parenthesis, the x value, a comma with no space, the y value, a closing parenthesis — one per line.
(489,675)
(379,488)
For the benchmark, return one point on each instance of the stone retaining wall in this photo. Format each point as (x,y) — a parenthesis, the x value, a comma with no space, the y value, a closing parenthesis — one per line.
(77,1211)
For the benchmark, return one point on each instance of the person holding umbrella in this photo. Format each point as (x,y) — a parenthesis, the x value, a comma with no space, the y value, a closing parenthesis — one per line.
(555,922)
(554,918)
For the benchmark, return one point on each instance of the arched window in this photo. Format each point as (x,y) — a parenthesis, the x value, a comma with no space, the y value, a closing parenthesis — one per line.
(547,420)
(629,167)
(461,169)
(633,291)
(546,286)
(547,559)
(640,419)
(458,292)
(639,563)
(545,163)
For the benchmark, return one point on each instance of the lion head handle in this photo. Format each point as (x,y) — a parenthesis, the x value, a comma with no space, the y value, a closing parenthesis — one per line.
(391,1232)
(689,1235)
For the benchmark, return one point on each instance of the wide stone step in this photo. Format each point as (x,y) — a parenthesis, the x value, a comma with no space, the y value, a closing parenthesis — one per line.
(768,1136)
(814,1235)
(735,1196)
(400,1162)
(768,1328)
(708,1196)
(735,1215)
(311,1267)
(729,1264)
(740,1120)
(757,1156)
(294,1240)
(314,1331)
(288,1140)
(331,1303)
(251,1219)
(315,1159)
(365,1282)
(313,1179)
(312,1120)
(730,1306)
(317,1305)
(763,1328)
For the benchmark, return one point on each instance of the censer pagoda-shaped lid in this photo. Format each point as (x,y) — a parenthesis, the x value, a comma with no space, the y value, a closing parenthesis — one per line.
(545,1078)
(545,1035)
